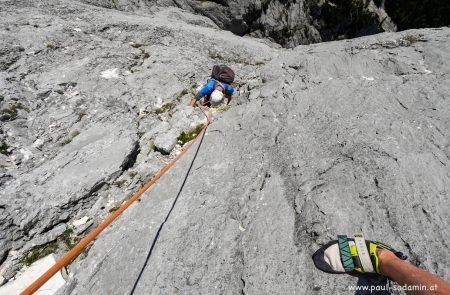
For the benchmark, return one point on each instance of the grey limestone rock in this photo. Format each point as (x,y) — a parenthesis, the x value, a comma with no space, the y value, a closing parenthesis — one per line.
(165,143)
(83,91)
(333,138)
(320,140)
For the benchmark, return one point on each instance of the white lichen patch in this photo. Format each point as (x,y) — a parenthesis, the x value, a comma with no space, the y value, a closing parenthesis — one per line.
(80,221)
(110,74)
(27,154)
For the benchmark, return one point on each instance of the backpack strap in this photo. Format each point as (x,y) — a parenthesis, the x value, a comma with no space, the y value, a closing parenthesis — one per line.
(225,86)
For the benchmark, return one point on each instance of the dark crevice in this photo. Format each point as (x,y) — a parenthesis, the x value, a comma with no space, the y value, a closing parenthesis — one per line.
(177,4)
(130,160)
(415,258)
(243,286)
(414,14)
(267,175)
(52,226)
(96,187)
(403,106)
(316,187)
(4,255)
(427,215)
(377,184)
(347,156)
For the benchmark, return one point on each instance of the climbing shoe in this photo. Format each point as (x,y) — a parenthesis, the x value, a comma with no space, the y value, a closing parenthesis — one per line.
(347,255)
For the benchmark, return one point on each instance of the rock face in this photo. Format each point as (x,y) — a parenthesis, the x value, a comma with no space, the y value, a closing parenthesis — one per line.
(294,22)
(320,140)
(288,23)
(86,93)
(166,142)
(331,138)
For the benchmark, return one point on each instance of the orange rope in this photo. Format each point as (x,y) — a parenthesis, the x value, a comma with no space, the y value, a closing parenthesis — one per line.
(75,251)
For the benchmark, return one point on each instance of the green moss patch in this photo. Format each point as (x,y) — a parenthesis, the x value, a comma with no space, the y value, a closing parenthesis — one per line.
(132,173)
(237,84)
(39,252)
(71,136)
(66,241)
(81,115)
(135,45)
(69,239)
(167,107)
(86,250)
(410,39)
(221,108)
(120,183)
(185,137)
(181,94)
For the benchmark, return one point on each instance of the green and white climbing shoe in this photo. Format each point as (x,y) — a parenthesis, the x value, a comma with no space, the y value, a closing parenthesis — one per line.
(346,255)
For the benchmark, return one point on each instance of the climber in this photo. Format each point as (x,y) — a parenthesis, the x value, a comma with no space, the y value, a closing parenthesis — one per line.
(346,255)
(218,86)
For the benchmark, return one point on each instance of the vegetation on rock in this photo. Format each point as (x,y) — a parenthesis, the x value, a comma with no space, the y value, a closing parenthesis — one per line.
(187,136)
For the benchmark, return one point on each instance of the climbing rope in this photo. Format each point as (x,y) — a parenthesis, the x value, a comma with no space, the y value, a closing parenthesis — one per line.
(167,216)
(75,251)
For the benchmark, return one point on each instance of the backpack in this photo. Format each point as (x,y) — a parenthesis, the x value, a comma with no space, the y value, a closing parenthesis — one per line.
(222,73)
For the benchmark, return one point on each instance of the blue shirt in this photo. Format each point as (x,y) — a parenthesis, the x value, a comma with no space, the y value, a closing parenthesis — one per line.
(212,85)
